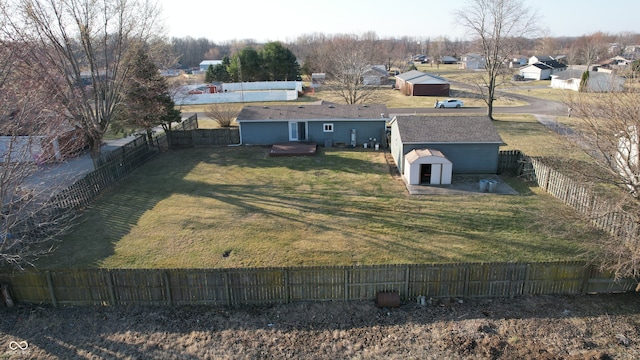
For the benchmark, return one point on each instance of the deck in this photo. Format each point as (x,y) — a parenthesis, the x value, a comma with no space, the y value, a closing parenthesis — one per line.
(294,149)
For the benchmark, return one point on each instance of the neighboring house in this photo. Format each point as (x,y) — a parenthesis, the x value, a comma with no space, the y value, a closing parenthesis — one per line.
(417,83)
(317,79)
(204,65)
(541,70)
(540,58)
(448,60)
(470,143)
(326,123)
(473,62)
(597,81)
(375,75)
(518,61)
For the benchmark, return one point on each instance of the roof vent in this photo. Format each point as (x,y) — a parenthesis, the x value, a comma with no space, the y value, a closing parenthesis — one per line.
(265,107)
(382,115)
(300,106)
(365,106)
(331,106)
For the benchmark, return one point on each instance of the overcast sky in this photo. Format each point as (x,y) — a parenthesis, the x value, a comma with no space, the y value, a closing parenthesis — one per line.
(285,20)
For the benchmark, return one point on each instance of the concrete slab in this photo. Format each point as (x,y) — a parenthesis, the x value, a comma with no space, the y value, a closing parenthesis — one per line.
(463,184)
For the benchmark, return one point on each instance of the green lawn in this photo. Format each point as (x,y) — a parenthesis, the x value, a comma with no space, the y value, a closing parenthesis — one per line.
(187,209)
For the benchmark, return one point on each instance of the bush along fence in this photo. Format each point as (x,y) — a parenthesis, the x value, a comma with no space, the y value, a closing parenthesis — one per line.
(230,287)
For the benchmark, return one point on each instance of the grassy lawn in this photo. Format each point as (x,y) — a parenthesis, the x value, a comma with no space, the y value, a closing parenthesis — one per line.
(237,207)
(190,208)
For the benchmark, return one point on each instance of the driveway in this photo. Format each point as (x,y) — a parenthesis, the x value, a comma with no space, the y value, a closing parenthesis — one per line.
(48,179)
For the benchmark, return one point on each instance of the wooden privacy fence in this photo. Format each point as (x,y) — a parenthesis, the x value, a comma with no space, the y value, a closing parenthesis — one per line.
(603,214)
(119,163)
(204,137)
(292,284)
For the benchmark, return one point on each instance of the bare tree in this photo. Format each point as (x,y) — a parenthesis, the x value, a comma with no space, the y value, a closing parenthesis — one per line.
(85,43)
(610,122)
(348,59)
(499,26)
(31,133)
(224,113)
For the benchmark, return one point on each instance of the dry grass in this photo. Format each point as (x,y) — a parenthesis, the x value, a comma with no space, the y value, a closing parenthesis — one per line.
(189,208)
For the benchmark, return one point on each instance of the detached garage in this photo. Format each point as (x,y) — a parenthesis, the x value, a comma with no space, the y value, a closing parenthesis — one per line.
(469,144)
(426,166)
(417,83)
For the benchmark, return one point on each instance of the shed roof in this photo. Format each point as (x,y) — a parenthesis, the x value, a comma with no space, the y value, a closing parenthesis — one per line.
(446,129)
(436,155)
(323,111)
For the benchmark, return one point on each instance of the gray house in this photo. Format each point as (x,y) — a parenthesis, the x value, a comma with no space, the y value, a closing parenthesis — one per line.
(470,143)
(324,123)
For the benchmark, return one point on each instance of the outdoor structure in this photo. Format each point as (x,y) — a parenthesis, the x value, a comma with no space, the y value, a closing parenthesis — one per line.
(597,81)
(40,149)
(318,79)
(238,92)
(325,123)
(470,143)
(541,70)
(204,65)
(425,166)
(417,83)
(448,60)
(473,62)
(375,75)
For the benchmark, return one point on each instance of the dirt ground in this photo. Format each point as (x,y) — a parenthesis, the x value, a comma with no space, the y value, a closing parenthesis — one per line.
(532,327)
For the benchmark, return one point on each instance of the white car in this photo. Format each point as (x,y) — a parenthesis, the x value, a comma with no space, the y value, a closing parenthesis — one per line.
(449,103)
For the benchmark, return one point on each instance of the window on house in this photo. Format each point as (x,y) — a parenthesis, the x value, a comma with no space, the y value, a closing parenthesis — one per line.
(328,127)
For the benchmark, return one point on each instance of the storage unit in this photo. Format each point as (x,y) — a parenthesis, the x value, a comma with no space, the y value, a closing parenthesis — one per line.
(426,166)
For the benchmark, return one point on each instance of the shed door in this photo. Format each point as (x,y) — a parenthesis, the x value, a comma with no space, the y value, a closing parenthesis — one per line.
(425,174)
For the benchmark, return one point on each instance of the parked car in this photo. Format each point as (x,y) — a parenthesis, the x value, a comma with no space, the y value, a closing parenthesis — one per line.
(449,103)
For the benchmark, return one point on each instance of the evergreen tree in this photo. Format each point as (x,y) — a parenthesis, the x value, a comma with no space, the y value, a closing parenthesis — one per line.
(146,98)
(280,64)
(209,76)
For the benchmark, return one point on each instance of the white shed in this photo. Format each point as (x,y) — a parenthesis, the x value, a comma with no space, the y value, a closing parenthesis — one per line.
(426,166)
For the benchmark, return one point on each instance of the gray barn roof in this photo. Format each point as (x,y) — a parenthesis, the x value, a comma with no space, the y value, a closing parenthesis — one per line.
(446,129)
(323,111)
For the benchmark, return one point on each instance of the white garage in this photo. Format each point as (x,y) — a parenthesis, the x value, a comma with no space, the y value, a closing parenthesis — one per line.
(426,166)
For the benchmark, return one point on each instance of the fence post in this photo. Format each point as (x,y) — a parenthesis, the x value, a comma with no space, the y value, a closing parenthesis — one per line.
(111,290)
(167,286)
(467,279)
(287,296)
(406,283)
(227,287)
(586,275)
(52,293)
(346,284)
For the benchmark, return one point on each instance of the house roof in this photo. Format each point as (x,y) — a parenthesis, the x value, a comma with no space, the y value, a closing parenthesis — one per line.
(323,111)
(446,129)
(554,64)
(210,62)
(577,74)
(376,70)
(410,75)
(418,77)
